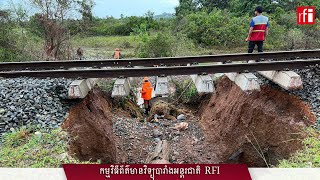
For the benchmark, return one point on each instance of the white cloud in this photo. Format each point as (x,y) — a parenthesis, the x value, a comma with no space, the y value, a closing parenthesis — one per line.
(171,2)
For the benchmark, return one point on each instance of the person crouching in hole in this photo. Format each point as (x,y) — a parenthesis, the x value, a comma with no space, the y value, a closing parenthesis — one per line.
(146,94)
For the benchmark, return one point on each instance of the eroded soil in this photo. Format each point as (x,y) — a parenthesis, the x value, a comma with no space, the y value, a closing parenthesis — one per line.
(233,126)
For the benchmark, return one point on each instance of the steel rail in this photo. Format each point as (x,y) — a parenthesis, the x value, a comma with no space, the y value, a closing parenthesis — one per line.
(165,71)
(149,62)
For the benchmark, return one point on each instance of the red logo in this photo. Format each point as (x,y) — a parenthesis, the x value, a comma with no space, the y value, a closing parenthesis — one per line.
(306,15)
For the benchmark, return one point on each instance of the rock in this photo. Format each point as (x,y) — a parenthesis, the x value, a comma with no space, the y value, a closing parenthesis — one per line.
(175,138)
(157,140)
(176,133)
(62,156)
(181,126)
(156,133)
(21,99)
(38,134)
(181,117)
(2,111)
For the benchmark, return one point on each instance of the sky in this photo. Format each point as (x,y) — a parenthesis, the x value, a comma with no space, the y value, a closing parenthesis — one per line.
(115,8)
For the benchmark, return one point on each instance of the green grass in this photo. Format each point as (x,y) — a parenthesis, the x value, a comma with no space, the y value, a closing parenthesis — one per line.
(111,42)
(24,149)
(102,47)
(309,157)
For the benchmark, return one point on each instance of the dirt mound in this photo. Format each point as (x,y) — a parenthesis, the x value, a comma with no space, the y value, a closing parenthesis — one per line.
(90,127)
(257,128)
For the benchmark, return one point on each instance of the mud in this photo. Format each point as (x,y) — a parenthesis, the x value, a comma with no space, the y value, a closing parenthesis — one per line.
(231,126)
(90,127)
(256,129)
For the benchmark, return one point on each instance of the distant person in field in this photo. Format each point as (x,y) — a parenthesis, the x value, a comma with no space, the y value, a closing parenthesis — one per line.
(146,94)
(117,54)
(80,53)
(258,30)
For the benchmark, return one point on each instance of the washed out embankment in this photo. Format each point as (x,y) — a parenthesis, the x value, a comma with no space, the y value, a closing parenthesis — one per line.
(256,129)
(90,127)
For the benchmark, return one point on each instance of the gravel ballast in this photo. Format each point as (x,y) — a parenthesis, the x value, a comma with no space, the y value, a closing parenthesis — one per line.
(29,101)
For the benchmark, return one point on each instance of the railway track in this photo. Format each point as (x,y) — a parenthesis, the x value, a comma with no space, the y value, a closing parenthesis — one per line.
(165,71)
(168,61)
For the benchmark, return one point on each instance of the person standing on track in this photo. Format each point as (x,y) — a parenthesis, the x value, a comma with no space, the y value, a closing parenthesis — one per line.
(146,94)
(117,54)
(258,30)
(80,53)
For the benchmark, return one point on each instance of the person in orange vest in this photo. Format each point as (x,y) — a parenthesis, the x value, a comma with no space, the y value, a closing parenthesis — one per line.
(146,94)
(117,54)
(258,30)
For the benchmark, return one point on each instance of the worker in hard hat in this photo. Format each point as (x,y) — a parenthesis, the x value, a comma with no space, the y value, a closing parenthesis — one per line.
(146,94)
(117,54)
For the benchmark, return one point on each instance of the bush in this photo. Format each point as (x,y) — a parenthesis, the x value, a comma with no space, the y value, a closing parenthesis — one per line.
(218,28)
(295,39)
(186,92)
(155,45)
(276,38)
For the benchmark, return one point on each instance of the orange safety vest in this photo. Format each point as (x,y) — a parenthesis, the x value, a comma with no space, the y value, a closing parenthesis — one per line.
(116,55)
(146,91)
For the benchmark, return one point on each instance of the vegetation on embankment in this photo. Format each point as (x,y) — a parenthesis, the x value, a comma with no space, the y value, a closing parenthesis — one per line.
(309,157)
(24,149)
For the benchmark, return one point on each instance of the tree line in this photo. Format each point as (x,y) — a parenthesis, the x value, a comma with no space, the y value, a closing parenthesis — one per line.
(200,23)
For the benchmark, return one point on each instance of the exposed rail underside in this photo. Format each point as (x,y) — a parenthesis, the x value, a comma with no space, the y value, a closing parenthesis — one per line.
(167,61)
(165,71)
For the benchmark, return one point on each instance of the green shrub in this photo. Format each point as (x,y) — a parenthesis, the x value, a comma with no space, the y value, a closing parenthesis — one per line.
(155,45)
(218,28)
(295,39)
(186,92)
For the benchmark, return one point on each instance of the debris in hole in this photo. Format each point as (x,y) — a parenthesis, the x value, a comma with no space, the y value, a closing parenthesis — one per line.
(181,117)
(160,154)
(181,126)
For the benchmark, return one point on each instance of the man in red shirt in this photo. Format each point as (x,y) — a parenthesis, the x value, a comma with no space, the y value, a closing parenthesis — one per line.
(258,30)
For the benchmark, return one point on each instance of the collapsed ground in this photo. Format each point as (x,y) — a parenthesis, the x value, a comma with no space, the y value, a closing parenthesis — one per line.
(258,129)
(231,126)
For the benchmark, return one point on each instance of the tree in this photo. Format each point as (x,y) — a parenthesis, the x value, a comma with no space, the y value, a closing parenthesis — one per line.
(51,21)
(185,7)
(85,9)
(7,41)
(209,5)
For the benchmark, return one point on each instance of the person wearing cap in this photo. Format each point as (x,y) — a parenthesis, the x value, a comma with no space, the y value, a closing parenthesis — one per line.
(117,54)
(146,94)
(258,30)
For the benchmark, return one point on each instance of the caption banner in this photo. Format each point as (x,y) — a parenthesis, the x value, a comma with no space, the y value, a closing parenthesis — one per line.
(156,172)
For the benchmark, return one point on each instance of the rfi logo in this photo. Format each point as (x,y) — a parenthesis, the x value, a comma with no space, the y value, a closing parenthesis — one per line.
(306,15)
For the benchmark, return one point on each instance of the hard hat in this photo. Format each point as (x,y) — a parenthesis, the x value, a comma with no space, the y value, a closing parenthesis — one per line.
(145,79)
(117,49)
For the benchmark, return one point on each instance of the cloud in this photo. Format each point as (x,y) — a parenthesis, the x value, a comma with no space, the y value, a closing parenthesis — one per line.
(170,2)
